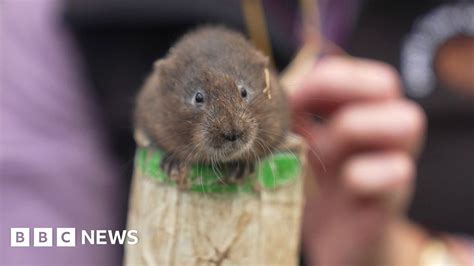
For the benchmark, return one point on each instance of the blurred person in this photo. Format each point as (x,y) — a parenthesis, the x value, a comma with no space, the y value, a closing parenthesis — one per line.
(55,167)
(367,141)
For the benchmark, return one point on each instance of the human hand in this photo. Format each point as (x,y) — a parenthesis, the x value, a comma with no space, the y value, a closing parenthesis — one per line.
(362,153)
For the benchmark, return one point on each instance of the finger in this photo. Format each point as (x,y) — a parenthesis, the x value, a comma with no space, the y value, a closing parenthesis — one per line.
(386,177)
(378,172)
(397,124)
(338,80)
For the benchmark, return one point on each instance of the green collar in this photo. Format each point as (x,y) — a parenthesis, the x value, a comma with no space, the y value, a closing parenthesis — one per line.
(277,170)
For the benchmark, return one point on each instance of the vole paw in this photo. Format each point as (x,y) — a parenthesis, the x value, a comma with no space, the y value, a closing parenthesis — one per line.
(238,171)
(176,171)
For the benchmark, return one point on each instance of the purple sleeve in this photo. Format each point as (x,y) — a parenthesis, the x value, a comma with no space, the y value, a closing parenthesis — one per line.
(54,168)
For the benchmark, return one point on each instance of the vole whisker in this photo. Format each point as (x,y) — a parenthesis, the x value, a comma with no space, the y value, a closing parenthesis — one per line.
(310,147)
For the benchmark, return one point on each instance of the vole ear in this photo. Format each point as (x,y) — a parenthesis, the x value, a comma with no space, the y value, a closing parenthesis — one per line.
(265,60)
(159,65)
(163,67)
(262,59)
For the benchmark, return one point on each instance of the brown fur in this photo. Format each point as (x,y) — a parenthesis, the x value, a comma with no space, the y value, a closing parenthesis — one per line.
(215,61)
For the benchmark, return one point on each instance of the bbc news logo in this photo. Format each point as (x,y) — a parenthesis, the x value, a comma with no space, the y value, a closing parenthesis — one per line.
(66,237)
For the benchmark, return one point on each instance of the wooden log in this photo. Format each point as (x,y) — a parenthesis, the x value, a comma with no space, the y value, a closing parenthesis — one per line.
(256,222)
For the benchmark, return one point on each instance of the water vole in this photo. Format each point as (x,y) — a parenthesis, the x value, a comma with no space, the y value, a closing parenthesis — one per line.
(213,99)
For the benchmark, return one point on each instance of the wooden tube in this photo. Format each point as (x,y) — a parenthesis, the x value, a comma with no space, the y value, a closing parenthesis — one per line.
(254,223)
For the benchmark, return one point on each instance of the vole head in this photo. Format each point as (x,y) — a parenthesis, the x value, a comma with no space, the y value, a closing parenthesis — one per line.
(206,100)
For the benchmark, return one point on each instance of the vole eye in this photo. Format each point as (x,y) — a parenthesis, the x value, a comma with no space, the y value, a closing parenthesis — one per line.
(199,98)
(243,92)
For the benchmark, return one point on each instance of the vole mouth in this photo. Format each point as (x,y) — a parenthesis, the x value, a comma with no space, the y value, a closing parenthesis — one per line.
(240,151)
(232,150)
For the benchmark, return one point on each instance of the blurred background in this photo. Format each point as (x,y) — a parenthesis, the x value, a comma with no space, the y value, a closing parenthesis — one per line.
(71,69)
(120,40)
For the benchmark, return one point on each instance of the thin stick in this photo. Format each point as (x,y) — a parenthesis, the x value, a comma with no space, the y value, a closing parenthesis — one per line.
(256,26)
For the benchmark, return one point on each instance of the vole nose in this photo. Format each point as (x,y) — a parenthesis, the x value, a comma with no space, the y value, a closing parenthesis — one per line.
(232,136)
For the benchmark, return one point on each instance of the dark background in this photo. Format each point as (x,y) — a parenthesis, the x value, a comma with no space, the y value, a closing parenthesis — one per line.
(119,41)
(444,195)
